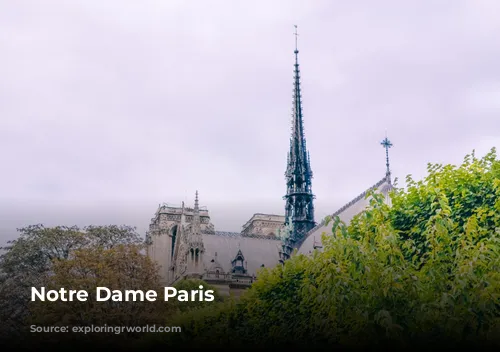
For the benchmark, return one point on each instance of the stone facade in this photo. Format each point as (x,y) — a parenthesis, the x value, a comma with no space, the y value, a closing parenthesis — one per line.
(164,230)
(264,225)
(231,260)
(227,260)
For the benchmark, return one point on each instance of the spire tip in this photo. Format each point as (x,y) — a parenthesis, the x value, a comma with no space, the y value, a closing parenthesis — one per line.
(196,200)
(296,39)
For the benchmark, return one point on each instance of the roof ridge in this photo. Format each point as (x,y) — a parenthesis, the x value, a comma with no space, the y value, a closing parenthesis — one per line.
(238,234)
(268,214)
(347,205)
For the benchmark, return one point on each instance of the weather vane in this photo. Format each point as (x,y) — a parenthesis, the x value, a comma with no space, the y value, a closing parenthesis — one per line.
(386,143)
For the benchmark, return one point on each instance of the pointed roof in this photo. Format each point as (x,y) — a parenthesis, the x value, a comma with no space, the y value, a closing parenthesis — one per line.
(298,157)
(239,268)
(215,265)
(381,186)
(195,235)
(384,186)
(196,226)
(239,256)
(257,251)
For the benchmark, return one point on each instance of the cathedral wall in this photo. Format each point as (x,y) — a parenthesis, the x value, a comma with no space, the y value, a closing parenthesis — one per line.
(162,244)
(161,254)
(160,249)
(264,225)
(264,228)
(166,223)
(257,251)
(271,229)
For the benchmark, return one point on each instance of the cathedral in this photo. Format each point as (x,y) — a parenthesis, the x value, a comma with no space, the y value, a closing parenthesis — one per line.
(185,244)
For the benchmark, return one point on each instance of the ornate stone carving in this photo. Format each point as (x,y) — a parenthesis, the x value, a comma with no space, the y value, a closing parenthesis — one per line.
(181,266)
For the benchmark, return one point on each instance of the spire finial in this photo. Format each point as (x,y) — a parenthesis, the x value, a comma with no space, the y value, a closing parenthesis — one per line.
(196,201)
(386,143)
(296,34)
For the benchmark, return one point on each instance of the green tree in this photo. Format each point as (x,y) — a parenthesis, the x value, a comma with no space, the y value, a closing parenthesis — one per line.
(27,261)
(121,267)
(469,192)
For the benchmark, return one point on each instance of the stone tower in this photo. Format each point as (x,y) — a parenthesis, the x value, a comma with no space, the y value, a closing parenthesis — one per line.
(299,208)
(195,247)
(171,233)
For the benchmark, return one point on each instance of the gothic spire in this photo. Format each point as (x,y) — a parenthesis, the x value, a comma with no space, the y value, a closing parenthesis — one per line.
(299,209)
(298,156)
(195,236)
(183,215)
(196,226)
(180,228)
(195,247)
(196,207)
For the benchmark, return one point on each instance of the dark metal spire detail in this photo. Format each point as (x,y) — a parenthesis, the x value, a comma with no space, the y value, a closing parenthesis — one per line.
(386,143)
(299,208)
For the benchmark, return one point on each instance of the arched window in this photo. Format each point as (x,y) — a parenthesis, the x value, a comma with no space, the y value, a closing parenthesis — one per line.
(174,236)
(217,273)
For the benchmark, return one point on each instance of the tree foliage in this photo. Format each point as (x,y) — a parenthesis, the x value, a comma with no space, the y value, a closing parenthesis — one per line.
(424,270)
(38,246)
(121,267)
(468,193)
(28,261)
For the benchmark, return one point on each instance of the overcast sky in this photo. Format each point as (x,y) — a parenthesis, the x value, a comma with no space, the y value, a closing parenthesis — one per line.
(108,108)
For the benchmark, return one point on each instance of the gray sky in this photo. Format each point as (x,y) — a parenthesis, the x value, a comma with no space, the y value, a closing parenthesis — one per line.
(108,108)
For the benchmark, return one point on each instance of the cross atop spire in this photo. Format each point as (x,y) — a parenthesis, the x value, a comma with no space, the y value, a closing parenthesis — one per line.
(386,143)
(298,159)
(296,39)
